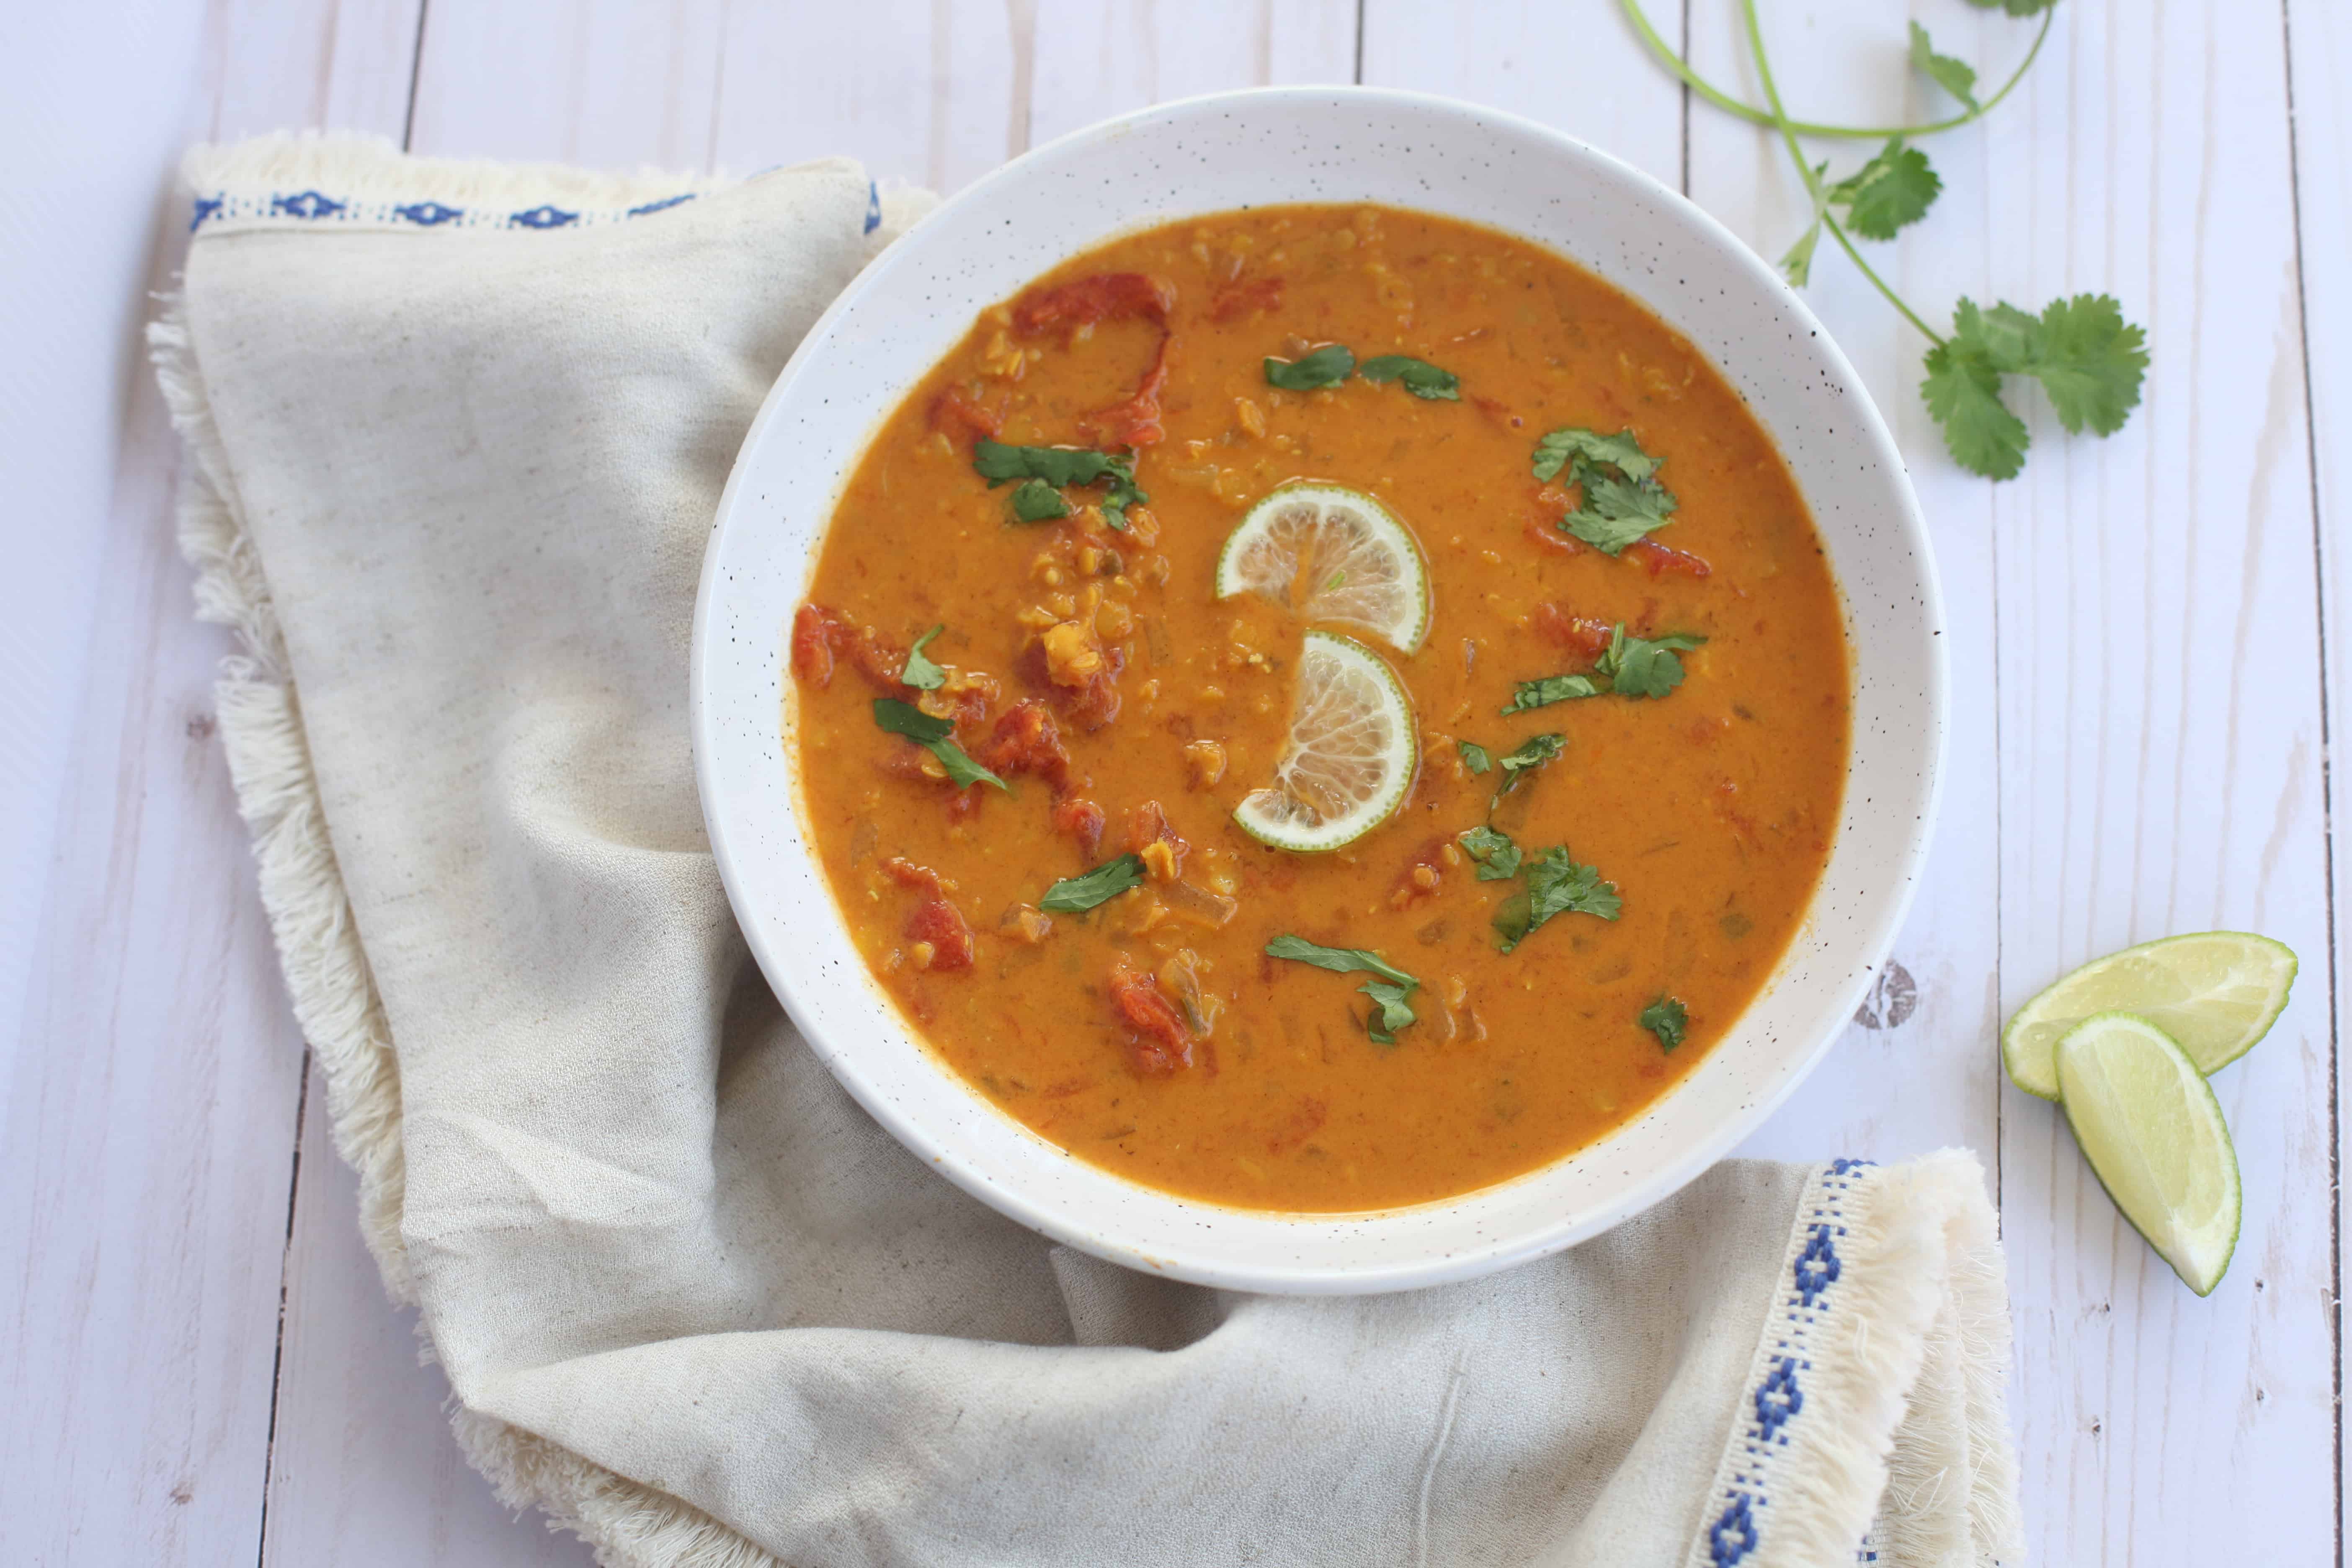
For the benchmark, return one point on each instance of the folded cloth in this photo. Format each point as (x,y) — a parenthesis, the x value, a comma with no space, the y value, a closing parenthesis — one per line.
(459,432)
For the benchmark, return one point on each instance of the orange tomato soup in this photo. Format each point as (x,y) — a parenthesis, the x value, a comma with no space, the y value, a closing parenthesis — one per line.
(1128,712)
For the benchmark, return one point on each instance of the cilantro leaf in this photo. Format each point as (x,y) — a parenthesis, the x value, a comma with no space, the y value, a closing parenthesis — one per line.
(2014,7)
(921,672)
(1059,467)
(1644,667)
(1963,395)
(1573,443)
(1390,1011)
(1338,960)
(1419,377)
(1552,689)
(2090,362)
(1622,498)
(1034,500)
(1557,885)
(1668,1019)
(1106,881)
(906,719)
(1894,188)
(1797,264)
(1498,856)
(1530,754)
(1326,366)
(1955,77)
(1473,756)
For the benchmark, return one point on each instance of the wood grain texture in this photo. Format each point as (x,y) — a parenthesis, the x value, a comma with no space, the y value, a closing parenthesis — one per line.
(2136,746)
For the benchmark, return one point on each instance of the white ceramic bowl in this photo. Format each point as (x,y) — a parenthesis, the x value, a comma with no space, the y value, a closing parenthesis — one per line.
(1211,154)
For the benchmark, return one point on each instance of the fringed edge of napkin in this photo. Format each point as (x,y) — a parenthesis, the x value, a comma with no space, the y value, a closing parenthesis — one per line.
(333,992)
(1893,1299)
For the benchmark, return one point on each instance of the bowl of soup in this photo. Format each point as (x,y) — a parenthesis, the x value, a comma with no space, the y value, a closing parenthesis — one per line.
(1319,690)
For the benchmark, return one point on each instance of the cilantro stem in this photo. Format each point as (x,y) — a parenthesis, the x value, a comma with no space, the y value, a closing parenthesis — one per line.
(1749,112)
(1780,121)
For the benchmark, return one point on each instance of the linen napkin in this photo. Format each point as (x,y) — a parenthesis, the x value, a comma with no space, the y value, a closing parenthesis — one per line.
(458,434)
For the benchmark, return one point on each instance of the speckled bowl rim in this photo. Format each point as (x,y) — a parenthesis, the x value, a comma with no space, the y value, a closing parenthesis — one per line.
(1367,143)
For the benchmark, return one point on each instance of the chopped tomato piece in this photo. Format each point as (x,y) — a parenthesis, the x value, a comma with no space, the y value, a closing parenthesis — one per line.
(1090,705)
(963,419)
(1236,300)
(1498,411)
(1026,741)
(1149,826)
(907,874)
(1136,421)
(820,636)
(813,628)
(1578,634)
(1543,531)
(1083,821)
(1664,560)
(1100,297)
(941,924)
(1161,1043)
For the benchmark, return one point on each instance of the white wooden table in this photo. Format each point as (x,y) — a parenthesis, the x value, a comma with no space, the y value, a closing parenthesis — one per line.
(196,1365)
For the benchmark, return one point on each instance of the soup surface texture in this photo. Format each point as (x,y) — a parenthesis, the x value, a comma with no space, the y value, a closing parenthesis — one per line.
(1566,905)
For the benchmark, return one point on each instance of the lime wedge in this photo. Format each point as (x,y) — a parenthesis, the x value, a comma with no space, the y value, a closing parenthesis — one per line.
(2215,992)
(2150,1126)
(1333,555)
(1350,756)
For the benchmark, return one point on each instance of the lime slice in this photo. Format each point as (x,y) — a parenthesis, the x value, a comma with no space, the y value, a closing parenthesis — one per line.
(2150,1126)
(2216,993)
(1350,757)
(1332,556)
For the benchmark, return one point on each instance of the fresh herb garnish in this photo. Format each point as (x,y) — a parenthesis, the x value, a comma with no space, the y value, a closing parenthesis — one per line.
(1497,857)
(2088,359)
(1390,1011)
(1552,689)
(921,672)
(1644,667)
(1556,886)
(1106,881)
(1528,755)
(1622,498)
(1473,756)
(906,719)
(1668,1019)
(1057,467)
(1327,366)
(1034,500)
(1419,376)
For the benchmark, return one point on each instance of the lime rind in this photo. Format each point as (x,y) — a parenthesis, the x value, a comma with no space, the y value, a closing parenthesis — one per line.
(2215,993)
(1353,748)
(2152,1130)
(1361,563)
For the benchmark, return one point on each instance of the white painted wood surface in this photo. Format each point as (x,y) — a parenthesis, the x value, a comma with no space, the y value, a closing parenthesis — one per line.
(2149,633)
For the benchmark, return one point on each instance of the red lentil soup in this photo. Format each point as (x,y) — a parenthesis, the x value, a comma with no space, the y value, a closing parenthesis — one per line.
(1543,934)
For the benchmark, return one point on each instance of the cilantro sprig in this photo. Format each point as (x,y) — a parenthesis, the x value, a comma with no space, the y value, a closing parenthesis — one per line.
(1629,666)
(1074,895)
(1519,763)
(2090,362)
(1555,885)
(1334,362)
(934,735)
(1668,1019)
(1391,989)
(1623,501)
(1043,471)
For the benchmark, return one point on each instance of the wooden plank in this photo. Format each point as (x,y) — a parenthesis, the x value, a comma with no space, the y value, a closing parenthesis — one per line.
(1094,58)
(1579,69)
(619,84)
(363,1470)
(2162,771)
(2321,53)
(150,1119)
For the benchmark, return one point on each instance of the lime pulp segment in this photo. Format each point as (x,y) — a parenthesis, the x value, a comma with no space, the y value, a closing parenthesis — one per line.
(2152,1130)
(1334,556)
